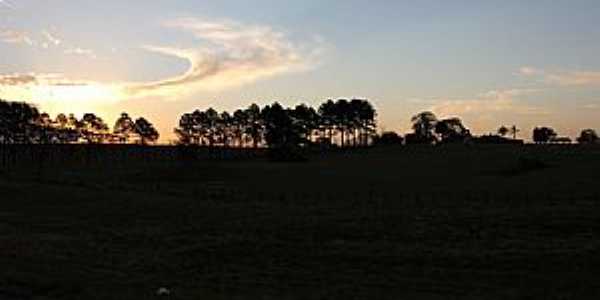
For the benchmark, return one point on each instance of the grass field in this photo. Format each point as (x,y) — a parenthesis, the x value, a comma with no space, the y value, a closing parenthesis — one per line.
(485,222)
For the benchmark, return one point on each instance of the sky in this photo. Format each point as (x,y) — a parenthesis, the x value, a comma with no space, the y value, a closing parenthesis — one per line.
(492,63)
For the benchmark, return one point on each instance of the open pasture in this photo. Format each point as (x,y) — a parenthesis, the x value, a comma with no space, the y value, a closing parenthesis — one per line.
(494,222)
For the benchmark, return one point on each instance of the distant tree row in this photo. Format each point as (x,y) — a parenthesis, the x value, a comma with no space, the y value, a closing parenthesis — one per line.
(348,123)
(343,123)
(428,129)
(22,123)
(544,135)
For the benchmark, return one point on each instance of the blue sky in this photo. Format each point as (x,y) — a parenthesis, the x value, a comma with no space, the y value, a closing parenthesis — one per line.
(491,62)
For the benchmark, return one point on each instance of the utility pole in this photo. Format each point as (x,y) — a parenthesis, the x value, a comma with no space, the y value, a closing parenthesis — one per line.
(514,131)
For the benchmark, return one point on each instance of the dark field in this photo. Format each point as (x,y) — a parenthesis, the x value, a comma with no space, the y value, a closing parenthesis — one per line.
(486,222)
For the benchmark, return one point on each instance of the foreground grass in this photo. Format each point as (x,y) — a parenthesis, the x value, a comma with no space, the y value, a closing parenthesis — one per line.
(382,223)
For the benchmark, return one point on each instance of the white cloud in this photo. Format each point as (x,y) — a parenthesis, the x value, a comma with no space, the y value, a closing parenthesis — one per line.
(489,110)
(12,36)
(574,78)
(489,103)
(81,51)
(564,78)
(228,54)
(529,71)
(17,79)
(231,54)
(51,38)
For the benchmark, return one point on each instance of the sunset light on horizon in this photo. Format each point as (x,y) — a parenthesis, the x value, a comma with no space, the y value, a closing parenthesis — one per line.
(492,65)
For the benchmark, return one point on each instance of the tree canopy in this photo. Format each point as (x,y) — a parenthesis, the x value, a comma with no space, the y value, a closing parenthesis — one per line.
(22,123)
(542,135)
(346,123)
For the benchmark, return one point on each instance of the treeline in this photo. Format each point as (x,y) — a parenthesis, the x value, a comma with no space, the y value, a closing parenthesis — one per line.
(22,123)
(428,129)
(347,123)
(340,123)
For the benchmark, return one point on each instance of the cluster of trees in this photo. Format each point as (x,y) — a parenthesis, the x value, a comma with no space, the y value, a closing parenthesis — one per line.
(348,123)
(22,123)
(544,135)
(428,129)
(588,136)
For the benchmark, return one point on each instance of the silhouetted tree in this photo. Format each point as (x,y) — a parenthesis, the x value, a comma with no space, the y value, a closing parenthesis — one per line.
(17,121)
(307,119)
(363,114)
(185,130)
(44,131)
(93,129)
(452,130)
(282,134)
(66,132)
(423,125)
(327,111)
(146,131)
(124,128)
(543,135)
(254,125)
(503,131)
(239,124)
(588,136)
(350,119)
(343,117)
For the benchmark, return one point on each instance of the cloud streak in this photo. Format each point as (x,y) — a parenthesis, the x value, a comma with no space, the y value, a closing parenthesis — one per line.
(483,111)
(226,54)
(12,36)
(492,102)
(81,52)
(581,79)
(230,54)
(51,38)
(564,78)
(17,79)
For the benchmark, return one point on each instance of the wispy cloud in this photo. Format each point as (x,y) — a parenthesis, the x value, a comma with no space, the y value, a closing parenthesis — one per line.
(230,54)
(564,78)
(17,79)
(13,36)
(82,52)
(483,112)
(51,38)
(529,71)
(489,103)
(575,78)
(35,79)
(43,40)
